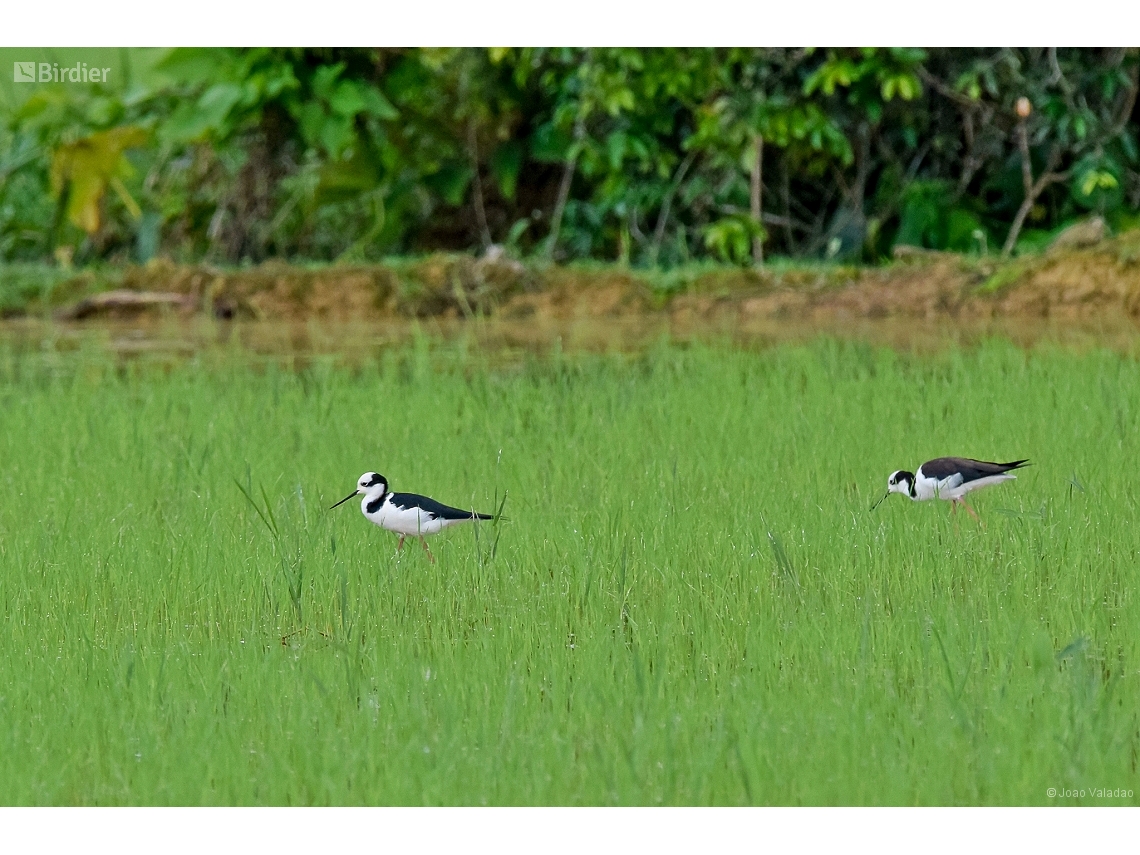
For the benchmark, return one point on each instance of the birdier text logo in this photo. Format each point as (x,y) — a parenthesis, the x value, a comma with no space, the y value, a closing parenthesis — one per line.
(51,72)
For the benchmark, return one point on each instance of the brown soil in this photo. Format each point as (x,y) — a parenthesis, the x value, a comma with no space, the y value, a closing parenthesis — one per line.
(1086,284)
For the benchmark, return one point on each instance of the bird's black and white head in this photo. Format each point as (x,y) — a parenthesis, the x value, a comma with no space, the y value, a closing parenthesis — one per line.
(371,485)
(899,481)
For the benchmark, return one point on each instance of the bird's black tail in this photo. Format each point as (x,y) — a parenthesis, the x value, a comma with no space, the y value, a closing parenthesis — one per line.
(1016,464)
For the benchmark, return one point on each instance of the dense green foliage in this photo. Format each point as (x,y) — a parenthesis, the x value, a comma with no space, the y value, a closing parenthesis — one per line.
(648,156)
(690,602)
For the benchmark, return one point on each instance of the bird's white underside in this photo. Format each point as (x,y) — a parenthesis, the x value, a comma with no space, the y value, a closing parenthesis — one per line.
(413,522)
(952,487)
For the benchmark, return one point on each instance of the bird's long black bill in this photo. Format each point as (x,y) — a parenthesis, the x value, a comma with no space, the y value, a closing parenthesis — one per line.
(351,495)
(880,500)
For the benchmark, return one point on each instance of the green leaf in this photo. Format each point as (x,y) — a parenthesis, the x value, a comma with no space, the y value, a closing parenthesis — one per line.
(506,164)
(280,79)
(550,144)
(205,118)
(965,232)
(336,134)
(105,111)
(730,238)
(376,105)
(620,100)
(347,99)
(909,87)
(451,182)
(324,80)
(615,149)
(1094,180)
(217,101)
(344,179)
(190,65)
(310,117)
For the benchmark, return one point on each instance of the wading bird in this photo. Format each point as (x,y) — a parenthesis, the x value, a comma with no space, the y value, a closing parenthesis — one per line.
(407,514)
(949,478)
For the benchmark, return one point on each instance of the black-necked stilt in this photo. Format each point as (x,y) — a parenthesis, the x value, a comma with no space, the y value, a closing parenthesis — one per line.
(949,478)
(405,513)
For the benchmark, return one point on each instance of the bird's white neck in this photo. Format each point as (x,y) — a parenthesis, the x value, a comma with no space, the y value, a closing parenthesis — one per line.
(371,495)
(376,492)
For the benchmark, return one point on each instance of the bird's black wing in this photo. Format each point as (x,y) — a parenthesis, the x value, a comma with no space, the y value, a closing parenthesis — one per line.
(436,509)
(968,468)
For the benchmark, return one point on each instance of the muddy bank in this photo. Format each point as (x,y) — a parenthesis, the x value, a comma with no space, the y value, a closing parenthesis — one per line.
(1086,284)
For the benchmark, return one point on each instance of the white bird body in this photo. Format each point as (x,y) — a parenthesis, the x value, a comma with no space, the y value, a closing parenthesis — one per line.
(406,514)
(407,518)
(949,478)
(952,487)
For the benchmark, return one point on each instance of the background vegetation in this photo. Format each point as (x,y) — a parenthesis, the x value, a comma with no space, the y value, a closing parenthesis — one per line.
(652,157)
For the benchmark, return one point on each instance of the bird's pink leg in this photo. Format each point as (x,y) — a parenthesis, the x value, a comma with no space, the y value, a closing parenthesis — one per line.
(972,513)
(431,557)
(400,545)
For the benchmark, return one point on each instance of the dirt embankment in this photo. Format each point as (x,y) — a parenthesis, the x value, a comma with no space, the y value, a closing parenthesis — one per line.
(1081,282)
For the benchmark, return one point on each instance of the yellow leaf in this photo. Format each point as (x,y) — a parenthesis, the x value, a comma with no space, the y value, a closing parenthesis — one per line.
(86,167)
(1095,179)
(125,195)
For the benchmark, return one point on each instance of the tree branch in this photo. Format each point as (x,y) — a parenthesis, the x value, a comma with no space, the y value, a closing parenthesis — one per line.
(1033,189)
(772,219)
(663,215)
(1026,164)
(944,90)
(1129,104)
(1058,77)
(785,186)
(888,210)
(756,198)
(971,162)
(480,212)
(564,185)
